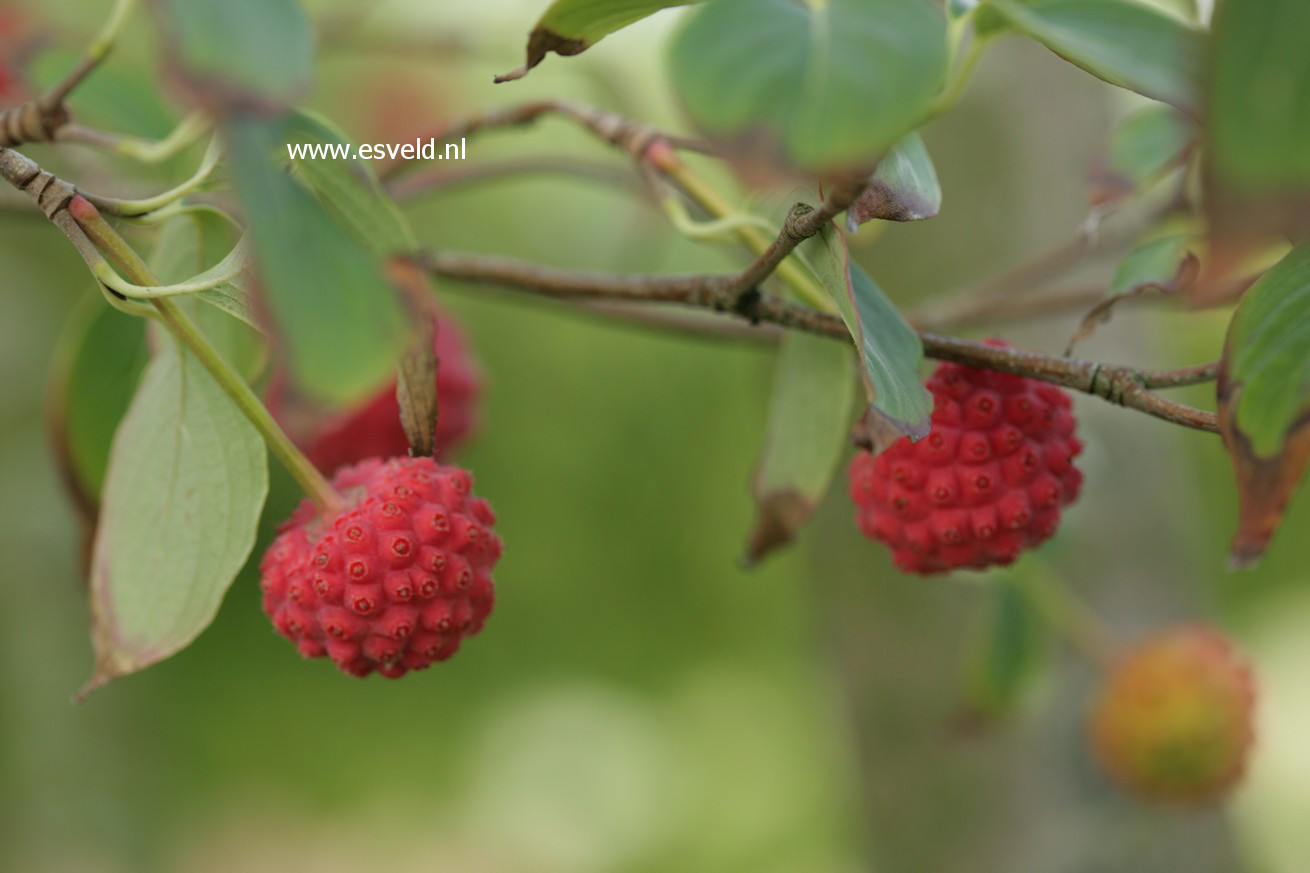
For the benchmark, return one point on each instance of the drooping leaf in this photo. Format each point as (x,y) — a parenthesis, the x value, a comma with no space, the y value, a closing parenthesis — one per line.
(186,244)
(416,395)
(889,348)
(1142,148)
(1123,42)
(1167,264)
(97,363)
(903,188)
(338,317)
(1258,123)
(570,27)
(827,85)
(186,482)
(1004,655)
(809,412)
(238,51)
(1264,399)
(1162,262)
(349,189)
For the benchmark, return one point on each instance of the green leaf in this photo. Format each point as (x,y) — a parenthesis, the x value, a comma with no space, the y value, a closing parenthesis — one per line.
(1264,398)
(97,363)
(187,479)
(1123,42)
(830,85)
(236,51)
(185,245)
(889,347)
(118,97)
(960,8)
(570,27)
(808,416)
(1167,264)
(1156,262)
(339,319)
(903,188)
(349,189)
(1259,118)
(1142,148)
(1004,655)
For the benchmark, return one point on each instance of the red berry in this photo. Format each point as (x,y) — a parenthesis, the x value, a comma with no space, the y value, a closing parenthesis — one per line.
(373,428)
(394,581)
(987,482)
(1173,721)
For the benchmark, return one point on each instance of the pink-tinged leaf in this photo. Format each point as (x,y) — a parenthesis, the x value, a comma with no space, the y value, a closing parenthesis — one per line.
(904,187)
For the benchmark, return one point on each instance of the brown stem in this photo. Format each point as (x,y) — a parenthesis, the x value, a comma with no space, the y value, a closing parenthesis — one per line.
(432,179)
(975,311)
(39,119)
(631,136)
(1126,386)
(803,222)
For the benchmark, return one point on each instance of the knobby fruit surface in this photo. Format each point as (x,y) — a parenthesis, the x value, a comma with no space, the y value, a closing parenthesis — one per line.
(988,482)
(1173,720)
(393,582)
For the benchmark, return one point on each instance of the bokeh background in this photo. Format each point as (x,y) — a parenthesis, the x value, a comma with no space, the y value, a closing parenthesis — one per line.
(638,702)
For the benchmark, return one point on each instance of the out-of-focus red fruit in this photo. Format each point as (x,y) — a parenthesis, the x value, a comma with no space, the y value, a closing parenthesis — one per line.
(373,428)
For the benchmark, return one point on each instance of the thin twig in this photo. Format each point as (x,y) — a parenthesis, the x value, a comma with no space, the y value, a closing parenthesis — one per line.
(802,223)
(431,179)
(91,235)
(629,135)
(959,310)
(1126,386)
(40,119)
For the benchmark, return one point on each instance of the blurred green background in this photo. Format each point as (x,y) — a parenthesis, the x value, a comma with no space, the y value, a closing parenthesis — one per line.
(638,702)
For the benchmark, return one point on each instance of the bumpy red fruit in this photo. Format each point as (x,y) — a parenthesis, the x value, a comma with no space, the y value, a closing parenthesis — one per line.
(1173,720)
(396,580)
(373,429)
(987,482)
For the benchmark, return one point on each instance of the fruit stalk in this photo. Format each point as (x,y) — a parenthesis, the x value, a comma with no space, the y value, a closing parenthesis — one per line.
(125,259)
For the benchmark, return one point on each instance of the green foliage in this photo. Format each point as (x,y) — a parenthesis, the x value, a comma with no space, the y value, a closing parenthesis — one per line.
(1258,121)
(810,408)
(120,97)
(570,27)
(1005,653)
(1156,263)
(1264,399)
(889,347)
(187,479)
(1142,148)
(340,320)
(237,49)
(348,189)
(1268,354)
(188,243)
(1123,42)
(97,363)
(829,85)
(904,187)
